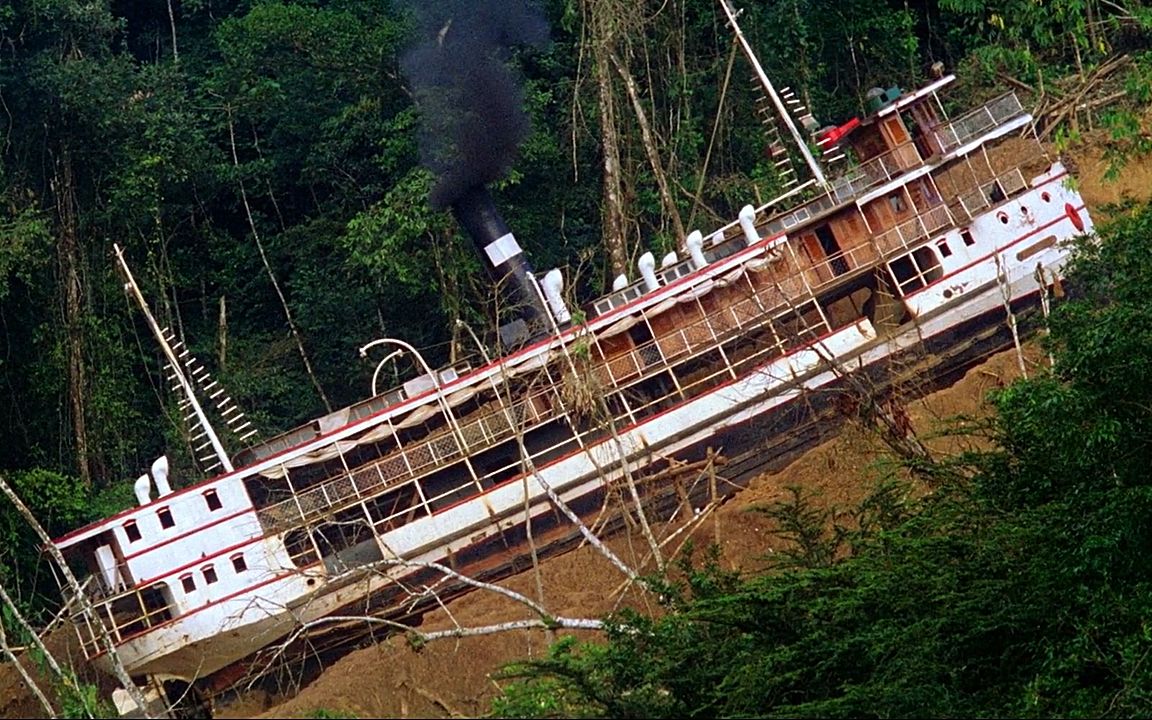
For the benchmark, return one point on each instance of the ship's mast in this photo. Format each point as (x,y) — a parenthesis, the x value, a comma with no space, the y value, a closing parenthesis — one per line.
(174,362)
(817,171)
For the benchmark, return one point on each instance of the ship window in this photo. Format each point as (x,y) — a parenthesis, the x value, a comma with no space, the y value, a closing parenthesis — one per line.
(213,500)
(209,574)
(238,563)
(945,251)
(905,272)
(166,519)
(914,271)
(966,236)
(896,202)
(132,530)
(188,582)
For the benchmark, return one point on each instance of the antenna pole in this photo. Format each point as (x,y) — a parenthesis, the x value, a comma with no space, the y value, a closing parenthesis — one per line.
(814,166)
(174,361)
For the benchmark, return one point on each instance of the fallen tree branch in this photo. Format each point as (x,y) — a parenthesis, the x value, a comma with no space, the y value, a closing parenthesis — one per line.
(546,620)
(90,614)
(24,675)
(435,700)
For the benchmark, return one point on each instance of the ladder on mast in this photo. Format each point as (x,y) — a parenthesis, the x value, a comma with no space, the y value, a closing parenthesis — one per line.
(773,96)
(185,374)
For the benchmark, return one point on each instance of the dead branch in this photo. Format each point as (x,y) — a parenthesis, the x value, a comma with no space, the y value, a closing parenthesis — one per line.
(24,675)
(90,614)
(271,276)
(546,620)
(49,658)
(1049,115)
(1018,84)
(648,139)
(435,700)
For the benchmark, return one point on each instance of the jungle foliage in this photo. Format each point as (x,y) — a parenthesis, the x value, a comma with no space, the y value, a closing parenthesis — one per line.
(259,162)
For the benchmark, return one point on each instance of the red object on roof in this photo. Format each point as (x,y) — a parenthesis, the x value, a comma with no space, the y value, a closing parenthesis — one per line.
(834,135)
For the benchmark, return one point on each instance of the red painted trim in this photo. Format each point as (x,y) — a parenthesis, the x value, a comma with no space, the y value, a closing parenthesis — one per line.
(188,533)
(603,320)
(166,623)
(202,560)
(520,478)
(984,258)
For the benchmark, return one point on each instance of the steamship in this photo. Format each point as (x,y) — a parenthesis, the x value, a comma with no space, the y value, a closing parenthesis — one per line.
(931,234)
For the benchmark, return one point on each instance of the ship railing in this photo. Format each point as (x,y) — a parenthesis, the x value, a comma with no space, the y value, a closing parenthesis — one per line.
(767,336)
(742,316)
(993,192)
(875,171)
(405,463)
(661,352)
(123,615)
(913,230)
(983,119)
(848,186)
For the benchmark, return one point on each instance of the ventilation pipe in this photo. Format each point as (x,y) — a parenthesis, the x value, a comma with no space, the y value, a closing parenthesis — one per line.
(143,489)
(647,266)
(160,476)
(695,244)
(552,284)
(620,282)
(748,225)
(668,261)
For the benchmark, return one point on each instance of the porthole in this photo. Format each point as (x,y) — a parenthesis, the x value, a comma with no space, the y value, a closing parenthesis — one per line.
(1045,196)
(1002,217)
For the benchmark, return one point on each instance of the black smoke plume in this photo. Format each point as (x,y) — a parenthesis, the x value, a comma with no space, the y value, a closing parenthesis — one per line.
(471,102)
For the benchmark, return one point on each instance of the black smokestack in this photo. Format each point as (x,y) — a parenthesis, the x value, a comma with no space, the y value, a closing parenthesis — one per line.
(470,100)
(506,264)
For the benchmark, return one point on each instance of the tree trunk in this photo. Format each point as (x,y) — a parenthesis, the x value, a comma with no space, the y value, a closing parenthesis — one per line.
(72,298)
(599,19)
(653,152)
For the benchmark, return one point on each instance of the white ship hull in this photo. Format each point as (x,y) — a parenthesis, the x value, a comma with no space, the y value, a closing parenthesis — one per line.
(202,642)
